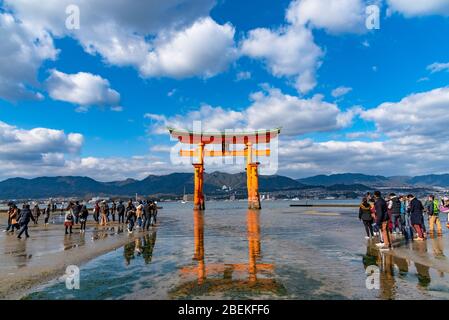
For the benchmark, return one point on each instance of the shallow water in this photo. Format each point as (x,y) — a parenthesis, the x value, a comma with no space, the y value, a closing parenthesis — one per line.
(280,252)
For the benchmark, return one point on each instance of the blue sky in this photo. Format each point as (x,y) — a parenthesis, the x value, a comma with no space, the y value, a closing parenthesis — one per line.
(265,64)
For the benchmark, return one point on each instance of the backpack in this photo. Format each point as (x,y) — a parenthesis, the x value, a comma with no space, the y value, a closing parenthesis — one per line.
(436,207)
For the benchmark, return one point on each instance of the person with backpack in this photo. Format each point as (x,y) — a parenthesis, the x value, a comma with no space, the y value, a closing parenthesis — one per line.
(382,220)
(416,216)
(121,212)
(25,217)
(394,205)
(433,211)
(365,216)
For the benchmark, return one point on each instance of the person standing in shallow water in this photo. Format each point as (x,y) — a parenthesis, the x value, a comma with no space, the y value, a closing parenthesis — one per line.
(113,210)
(97,212)
(365,216)
(416,216)
(130,216)
(24,220)
(382,220)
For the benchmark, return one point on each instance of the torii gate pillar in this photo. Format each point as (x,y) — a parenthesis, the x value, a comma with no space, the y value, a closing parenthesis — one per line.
(198,196)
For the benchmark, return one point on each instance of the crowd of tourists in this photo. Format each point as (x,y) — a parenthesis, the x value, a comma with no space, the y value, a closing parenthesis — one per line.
(401,216)
(140,215)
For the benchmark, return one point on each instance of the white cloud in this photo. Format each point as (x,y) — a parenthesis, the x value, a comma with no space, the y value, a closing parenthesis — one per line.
(335,16)
(419,114)
(438,67)
(420,7)
(269,109)
(23,48)
(288,51)
(173,38)
(340,91)
(204,49)
(84,89)
(36,145)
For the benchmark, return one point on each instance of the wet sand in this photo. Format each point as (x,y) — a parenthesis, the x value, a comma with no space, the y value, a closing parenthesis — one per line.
(46,254)
(228,252)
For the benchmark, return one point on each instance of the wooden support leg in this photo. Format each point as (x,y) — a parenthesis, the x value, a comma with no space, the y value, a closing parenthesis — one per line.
(252,179)
(198,197)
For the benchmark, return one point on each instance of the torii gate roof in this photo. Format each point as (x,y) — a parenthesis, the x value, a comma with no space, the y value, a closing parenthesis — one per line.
(222,137)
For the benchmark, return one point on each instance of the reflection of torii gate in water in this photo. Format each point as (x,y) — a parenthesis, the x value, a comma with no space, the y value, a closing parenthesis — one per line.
(208,276)
(249,139)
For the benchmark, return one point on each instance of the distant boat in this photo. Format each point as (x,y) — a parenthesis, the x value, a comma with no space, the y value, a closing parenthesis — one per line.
(295,199)
(184,197)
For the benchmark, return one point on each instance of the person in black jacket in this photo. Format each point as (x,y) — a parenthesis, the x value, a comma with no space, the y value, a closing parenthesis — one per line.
(121,212)
(147,215)
(382,219)
(365,216)
(416,216)
(395,206)
(84,213)
(25,217)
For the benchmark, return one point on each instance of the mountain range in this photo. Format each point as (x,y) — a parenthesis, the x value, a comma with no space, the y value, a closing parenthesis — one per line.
(215,183)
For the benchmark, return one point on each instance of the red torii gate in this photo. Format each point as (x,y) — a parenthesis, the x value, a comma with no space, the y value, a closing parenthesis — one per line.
(249,139)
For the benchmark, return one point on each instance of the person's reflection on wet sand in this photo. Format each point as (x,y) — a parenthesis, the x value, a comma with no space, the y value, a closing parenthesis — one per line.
(384,262)
(422,270)
(438,247)
(149,240)
(21,254)
(128,252)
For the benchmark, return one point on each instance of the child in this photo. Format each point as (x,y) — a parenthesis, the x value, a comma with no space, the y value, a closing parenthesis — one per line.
(68,221)
(444,208)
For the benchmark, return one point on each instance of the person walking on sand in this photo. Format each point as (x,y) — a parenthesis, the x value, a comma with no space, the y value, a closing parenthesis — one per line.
(47,213)
(394,205)
(84,213)
(97,212)
(121,212)
(76,211)
(382,220)
(130,216)
(433,210)
(154,212)
(365,216)
(416,216)
(24,220)
(147,215)
(113,210)
(104,209)
(139,214)
(36,212)
(10,210)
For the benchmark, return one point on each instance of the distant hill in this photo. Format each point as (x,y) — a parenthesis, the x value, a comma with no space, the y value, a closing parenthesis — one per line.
(345,178)
(175,184)
(434,180)
(215,183)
